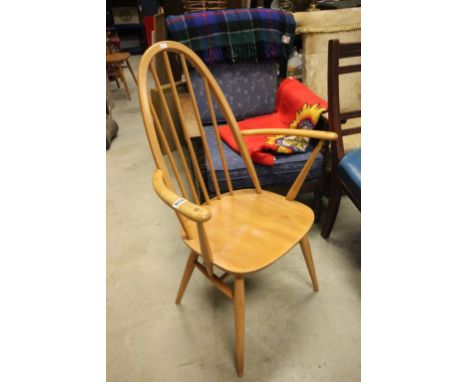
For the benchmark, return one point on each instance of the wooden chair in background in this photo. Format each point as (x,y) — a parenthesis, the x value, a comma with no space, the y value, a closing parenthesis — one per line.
(116,63)
(239,232)
(346,167)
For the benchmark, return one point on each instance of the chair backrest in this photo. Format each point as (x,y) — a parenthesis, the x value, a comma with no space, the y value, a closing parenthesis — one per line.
(188,184)
(337,51)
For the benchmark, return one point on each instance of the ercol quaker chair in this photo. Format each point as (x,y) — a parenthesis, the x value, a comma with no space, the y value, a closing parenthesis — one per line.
(250,85)
(346,167)
(239,232)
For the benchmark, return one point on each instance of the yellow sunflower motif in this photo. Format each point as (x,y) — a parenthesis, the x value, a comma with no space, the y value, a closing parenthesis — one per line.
(306,118)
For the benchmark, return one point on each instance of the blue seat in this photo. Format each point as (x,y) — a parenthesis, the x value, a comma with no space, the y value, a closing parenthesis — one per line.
(349,171)
(283,172)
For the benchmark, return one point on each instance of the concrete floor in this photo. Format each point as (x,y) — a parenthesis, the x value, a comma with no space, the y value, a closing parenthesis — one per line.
(292,333)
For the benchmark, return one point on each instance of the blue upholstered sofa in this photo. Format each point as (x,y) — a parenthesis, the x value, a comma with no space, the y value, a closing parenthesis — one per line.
(250,89)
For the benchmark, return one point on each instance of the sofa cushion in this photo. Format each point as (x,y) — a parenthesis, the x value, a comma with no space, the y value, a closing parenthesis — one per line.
(285,170)
(349,171)
(249,87)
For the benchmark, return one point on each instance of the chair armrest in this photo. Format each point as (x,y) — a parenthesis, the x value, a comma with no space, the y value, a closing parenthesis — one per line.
(177,203)
(314,134)
(322,136)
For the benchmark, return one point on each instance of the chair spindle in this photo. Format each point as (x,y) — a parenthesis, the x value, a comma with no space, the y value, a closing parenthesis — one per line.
(178,105)
(296,187)
(200,126)
(218,138)
(175,137)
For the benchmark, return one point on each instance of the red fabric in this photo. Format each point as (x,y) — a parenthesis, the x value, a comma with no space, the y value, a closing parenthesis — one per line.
(148,22)
(290,97)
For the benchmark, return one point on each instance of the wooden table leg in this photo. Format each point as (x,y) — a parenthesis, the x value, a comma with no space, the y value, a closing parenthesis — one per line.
(124,80)
(131,70)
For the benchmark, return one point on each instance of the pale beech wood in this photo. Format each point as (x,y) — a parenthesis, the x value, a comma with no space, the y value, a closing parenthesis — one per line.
(218,138)
(242,232)
(306,251)
(168,151)
(200,126)
(157,154)
(198,64)
(239,315)
(205,249)
(249,231)
(188,209)
(175,94)
(172,129)
(201,129)
(116,60)
(186,276)
(315,134)
(168,86)
(299,181)
(216,281)
(192,126)
(118,57)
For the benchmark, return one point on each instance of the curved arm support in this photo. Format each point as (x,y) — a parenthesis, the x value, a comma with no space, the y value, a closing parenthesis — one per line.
(314,134)
(183,206)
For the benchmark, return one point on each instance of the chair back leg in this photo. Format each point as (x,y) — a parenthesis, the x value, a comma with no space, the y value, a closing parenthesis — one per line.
(239,315)
(306,251)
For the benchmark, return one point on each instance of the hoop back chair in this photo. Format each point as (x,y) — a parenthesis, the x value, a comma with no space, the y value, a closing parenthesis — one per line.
(239,232)
(346,166)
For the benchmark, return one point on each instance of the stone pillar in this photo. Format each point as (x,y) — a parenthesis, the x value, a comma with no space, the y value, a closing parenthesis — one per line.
(316,29)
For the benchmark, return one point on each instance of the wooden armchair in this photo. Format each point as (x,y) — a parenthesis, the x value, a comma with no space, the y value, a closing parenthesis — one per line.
(346,167)
(238,232)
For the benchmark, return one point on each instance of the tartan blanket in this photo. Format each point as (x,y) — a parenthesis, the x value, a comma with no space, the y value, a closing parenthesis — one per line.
(235,34)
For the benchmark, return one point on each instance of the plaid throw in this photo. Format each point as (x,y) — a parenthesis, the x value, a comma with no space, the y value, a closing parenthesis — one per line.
(235,34)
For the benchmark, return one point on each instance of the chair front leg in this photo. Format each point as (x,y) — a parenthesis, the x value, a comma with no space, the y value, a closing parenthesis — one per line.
(187,274)
(305,247)
(239,316)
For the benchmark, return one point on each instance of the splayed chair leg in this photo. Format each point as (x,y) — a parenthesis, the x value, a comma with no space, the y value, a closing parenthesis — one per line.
(187,274)
(305,246)
(239,314)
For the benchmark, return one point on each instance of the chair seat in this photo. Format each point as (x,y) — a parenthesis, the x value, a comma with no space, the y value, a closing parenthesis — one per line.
(349,171)
(285,170)
(249,231)
(117,57)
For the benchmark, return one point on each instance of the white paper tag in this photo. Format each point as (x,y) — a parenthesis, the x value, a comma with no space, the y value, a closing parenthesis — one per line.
(178,203)
(285,39)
